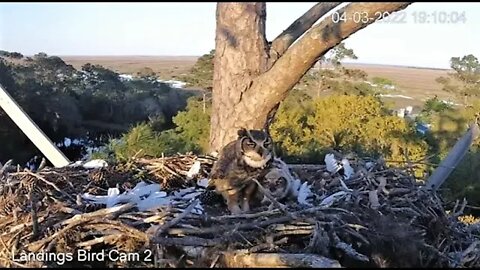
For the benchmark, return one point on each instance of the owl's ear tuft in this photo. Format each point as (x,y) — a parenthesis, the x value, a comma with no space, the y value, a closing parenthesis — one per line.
(242,132)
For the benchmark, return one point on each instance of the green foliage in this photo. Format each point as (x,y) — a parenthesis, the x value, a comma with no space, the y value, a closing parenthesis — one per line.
(382,81)
(92,102)
(347,123)
(143,141)
(340,52)
(14,55)
(201,74)
(328,81)
(355,74)
(40,55)
(191,134)
(436,105)
(467,68)
(431,107)
(193,124)
(465,81)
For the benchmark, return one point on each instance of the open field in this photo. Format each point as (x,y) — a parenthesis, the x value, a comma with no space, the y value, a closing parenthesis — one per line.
(167,67)
(417,83)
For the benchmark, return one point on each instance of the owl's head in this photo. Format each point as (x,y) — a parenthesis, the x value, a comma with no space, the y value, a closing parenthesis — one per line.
(256,147)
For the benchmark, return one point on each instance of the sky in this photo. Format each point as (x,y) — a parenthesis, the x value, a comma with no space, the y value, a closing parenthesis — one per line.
(189,29)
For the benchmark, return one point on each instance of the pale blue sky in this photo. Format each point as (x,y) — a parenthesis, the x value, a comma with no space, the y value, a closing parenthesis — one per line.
(189,29)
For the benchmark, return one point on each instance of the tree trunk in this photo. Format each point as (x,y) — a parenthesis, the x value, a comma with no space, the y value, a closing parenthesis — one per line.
(251,79)
(240,56)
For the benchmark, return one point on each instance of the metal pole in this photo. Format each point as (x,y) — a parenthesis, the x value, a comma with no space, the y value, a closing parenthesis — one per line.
(31,130)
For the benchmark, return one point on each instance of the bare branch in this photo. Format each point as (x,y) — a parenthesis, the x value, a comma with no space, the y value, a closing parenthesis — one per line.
(281,43)
(272,86)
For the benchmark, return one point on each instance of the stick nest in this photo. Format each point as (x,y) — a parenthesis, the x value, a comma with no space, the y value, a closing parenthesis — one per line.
(380,217)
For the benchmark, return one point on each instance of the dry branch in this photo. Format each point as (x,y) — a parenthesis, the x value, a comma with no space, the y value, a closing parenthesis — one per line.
(273,85)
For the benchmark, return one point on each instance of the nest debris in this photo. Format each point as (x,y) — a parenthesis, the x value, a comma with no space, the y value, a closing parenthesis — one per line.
(381,217)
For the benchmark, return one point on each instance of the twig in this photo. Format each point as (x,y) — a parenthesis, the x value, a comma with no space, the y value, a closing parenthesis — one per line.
(127,230)
(5,166)
(103,239)
(14,262)
(34,221)
(186,241)
(159,230)
(221,229)
(99,213)
(214,262)
(348,249)
(35,246)
(47,182)
(271,198)
(42,165)
(247,216)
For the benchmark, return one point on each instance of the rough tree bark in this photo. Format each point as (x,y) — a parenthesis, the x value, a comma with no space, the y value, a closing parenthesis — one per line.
(252,77)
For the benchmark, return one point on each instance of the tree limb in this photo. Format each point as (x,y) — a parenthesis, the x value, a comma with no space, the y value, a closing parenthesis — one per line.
(272,86)
(281,43)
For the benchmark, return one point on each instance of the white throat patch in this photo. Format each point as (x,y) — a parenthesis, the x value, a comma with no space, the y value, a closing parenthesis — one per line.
(256,163)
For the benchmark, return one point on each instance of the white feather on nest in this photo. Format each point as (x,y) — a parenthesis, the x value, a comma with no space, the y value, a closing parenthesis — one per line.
(194,170)
(145,196)
(95,164)
(333,166)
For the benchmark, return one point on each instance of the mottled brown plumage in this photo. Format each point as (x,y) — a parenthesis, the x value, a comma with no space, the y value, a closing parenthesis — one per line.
(246,158)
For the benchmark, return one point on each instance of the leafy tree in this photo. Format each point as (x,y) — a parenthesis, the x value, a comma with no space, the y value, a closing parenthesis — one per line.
(40,55)
(465,81)
(201,74)
(355,123)
(14,55)
(435,105)
(339,53)
(148,139)
(252,76)
(193,124)
(467,68)
(382,81)
(432,106)
(91,103)
(355,74)
(343,81)
(143,141)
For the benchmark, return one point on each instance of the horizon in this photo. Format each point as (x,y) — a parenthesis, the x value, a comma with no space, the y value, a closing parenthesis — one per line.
(158,56)
(170,29)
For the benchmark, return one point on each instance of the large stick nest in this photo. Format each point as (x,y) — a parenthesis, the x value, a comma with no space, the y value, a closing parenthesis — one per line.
(380,217)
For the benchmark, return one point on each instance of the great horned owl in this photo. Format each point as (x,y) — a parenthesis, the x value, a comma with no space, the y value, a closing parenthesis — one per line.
(238,162)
